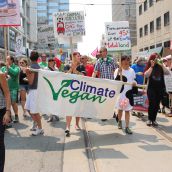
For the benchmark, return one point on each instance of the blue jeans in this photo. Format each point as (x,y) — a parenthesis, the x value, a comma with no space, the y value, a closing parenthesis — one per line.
(2,145)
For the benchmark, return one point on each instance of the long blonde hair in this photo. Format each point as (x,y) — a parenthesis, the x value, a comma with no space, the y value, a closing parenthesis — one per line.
(74,60)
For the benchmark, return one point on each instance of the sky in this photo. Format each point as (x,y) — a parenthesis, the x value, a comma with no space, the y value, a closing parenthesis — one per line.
(96,16)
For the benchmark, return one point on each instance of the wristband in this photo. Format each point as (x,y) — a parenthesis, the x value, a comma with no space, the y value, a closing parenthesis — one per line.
(8,110)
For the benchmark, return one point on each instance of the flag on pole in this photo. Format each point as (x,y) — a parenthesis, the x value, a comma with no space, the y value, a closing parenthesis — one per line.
(95,52)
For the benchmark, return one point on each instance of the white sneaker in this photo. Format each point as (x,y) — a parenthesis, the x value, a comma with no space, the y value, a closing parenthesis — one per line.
(37,132)
(34,126)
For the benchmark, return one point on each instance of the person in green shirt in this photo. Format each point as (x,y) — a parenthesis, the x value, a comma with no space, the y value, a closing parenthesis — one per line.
(12,74)
(43,64)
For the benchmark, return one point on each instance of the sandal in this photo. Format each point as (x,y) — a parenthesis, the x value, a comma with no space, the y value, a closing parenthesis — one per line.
(67,133)
(169,115)
(134,114)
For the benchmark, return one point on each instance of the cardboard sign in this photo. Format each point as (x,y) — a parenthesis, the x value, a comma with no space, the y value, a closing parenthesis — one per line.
(69,24)
(168,82)
(9,13)
(118,36)
(141,102)
(19,45)
(46,34)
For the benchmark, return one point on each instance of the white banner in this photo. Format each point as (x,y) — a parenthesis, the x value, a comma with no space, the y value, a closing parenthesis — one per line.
(168,82)
(118,36)
(9,13)
(46,34)
(69,24)
(19,45)
(75,95)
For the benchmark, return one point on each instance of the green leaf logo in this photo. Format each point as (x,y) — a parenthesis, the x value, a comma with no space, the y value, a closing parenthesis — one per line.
(64,83)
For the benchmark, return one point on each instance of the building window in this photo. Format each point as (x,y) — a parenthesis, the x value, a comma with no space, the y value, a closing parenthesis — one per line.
(140,9)
(152,46)
(167,18)
(158,0)
(12,41)
(146,29)
(141,32)
(159,45)
(150,3)
(145,5)
(167,44)
(158,23)
(146,48)
(141,49)
(2,37)
(151,26)
(42,1)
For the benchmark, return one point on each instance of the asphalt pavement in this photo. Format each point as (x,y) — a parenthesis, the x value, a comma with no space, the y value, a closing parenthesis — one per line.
(148,149)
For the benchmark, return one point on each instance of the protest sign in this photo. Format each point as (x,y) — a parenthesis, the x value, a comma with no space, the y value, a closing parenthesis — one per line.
(69,24)
(9,13)
(76,95)
(19,45)
(46,34)
(168,82)
(141,102)
(118,36)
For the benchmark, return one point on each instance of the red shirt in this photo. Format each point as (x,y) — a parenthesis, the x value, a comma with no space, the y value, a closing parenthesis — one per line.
(89,70)
(58,62)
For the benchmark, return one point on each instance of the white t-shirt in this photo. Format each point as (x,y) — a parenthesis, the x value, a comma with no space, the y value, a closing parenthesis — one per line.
(123,102)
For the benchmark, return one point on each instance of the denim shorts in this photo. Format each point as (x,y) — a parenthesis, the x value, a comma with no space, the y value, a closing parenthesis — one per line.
(24,88)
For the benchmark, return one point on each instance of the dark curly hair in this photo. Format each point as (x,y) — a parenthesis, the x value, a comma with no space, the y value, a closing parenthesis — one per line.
(34,56)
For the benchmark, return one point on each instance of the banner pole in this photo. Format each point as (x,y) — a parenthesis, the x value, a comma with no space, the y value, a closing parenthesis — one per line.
(71,47)
(5,43)
(120,66)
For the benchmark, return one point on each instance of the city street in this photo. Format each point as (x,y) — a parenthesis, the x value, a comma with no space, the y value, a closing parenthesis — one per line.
(148,149)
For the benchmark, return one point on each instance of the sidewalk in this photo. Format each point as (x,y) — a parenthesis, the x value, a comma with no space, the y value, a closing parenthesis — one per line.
(113,150)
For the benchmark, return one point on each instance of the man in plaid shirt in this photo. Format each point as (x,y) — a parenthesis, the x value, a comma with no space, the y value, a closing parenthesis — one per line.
(105,66)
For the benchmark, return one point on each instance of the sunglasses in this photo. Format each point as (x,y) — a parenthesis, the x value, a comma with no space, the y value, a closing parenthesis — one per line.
(21,62)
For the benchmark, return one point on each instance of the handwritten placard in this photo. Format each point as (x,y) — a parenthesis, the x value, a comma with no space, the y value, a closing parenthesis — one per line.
(118,36)
(69,24)
(46,34)
(9,13)
(168,82)
(19,45)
